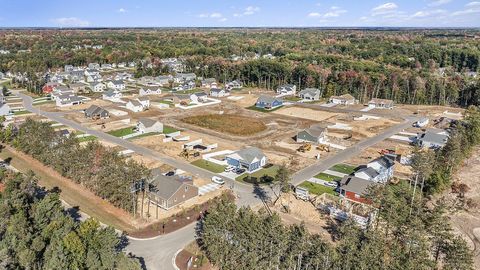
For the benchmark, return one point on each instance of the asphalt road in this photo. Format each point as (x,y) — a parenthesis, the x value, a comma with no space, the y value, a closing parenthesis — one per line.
(325,164)
(157,253)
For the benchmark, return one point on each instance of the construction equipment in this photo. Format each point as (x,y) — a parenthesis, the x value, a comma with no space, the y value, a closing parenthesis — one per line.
(305,147)
(189,153)
(323,147)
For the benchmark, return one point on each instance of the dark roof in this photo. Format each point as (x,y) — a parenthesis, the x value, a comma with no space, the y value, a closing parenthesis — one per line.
(355,184)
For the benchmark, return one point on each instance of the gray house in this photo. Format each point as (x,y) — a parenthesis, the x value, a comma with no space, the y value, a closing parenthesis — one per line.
(314,134)
(310,94)
(170,191)
(431,139)
(95,111)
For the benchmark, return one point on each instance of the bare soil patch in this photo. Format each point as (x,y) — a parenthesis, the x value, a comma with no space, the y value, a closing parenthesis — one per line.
(232,124)
(306,113)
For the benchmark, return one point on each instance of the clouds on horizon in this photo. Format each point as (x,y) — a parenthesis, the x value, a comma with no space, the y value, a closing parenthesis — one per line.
(304,13)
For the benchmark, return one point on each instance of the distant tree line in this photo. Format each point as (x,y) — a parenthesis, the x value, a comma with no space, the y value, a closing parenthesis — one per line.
(412,67)
(37,233)
(94,166)
(401,237)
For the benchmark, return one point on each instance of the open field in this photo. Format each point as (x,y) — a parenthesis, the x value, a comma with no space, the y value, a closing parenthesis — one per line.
(232,124)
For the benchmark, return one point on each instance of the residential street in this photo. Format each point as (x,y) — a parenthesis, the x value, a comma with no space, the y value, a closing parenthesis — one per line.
(157,252)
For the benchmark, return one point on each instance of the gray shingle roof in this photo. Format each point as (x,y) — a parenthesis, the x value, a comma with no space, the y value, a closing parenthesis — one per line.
(147,122)
(309,91)
(355,184)
(384,161)
(250,153)
(315,131)
(165,186)
(268,99)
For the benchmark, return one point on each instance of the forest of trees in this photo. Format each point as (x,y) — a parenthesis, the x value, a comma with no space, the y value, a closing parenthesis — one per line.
(401,237)
(98,168)
(36,232)
(413,67)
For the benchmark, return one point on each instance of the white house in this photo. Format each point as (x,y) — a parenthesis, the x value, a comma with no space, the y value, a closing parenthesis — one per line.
(379,103)
(215,92)
(97,87)
(150,90)
(309,94)
(379,170)
(135,106)
(112,95)
(93,66)
(146,125)
(68,100)
(199,97)
(233,85)
(287,90)
(346,99)
(116,84)
(209,83)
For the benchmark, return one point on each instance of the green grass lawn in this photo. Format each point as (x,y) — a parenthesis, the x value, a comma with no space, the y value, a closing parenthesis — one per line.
(21,112)
(253,108)
(263,176)
(168,130)
(121,132)
(327,177)
(318,189)
(343,168)
(209,166)
(292,98)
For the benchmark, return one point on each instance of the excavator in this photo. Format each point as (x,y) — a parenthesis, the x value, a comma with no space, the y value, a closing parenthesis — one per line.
(305,147)
(323,147)
(186,154)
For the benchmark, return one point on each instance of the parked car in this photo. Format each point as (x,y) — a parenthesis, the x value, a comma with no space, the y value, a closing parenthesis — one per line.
(218,180)
(330,184)
(239,170)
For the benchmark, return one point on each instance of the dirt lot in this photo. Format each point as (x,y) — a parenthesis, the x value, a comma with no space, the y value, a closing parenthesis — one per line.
(305,113)
(373,152)
(467,222)
(303,212)
(232,124)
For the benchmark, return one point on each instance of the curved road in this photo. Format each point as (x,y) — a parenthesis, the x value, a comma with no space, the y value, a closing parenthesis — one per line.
(157,252)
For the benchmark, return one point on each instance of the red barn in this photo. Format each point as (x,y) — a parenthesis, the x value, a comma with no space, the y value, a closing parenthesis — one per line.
(48,87)
(354,188)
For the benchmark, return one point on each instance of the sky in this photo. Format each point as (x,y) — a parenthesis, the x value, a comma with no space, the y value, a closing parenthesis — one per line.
(239,13)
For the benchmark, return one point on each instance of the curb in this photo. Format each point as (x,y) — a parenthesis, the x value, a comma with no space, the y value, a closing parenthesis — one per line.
(174,258)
